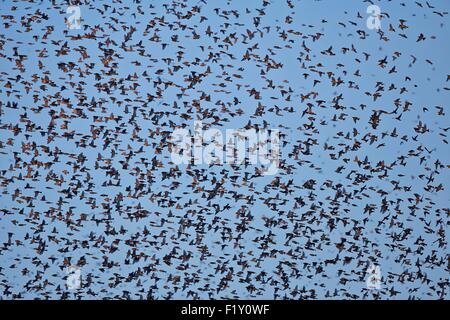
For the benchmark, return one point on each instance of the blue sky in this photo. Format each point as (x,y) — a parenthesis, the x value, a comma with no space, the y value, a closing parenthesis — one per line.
(192,222)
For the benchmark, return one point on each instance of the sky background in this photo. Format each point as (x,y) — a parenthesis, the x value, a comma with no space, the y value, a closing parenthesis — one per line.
(426,89)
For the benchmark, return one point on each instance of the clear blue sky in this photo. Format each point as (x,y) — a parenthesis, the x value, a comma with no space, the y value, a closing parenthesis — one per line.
(198,214)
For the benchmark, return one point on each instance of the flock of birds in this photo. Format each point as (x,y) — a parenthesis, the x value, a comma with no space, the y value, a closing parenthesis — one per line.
(86,178)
